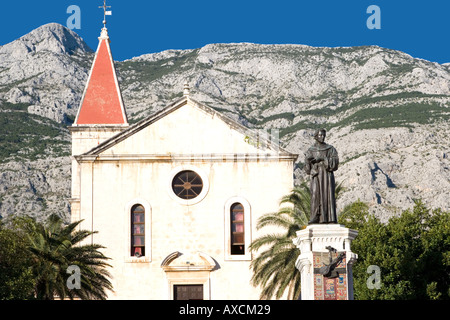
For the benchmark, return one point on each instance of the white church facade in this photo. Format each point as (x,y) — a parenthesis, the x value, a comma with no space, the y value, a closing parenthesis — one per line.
(174,198)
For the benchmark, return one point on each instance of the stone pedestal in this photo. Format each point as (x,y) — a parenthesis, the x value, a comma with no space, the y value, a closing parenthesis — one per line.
(318,244)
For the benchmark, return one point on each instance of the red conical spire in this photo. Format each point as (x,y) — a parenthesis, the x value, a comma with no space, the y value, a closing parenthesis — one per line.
(102,100)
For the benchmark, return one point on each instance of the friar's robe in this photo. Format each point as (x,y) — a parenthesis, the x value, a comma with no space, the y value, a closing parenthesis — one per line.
(323,202)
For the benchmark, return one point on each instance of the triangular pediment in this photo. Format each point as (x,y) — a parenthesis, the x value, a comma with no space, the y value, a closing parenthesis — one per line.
(188,127)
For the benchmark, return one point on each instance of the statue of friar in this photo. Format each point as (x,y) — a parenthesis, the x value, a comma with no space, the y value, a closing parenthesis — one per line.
(321,161)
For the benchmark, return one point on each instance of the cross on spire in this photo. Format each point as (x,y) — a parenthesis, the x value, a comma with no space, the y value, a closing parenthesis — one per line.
(106,12)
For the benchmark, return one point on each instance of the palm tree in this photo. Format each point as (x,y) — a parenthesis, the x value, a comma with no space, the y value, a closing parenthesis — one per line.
(54,247)
(274,269)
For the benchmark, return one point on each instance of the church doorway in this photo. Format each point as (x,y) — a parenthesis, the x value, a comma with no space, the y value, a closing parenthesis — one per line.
(188,292)
(188,275)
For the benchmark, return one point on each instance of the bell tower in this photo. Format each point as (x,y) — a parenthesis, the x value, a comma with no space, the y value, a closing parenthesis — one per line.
(101,114)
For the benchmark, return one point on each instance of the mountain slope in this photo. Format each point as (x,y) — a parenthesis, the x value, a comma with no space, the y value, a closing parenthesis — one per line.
(386,112)
(45,69)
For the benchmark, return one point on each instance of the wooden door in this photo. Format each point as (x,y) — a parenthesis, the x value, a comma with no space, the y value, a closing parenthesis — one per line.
(188,292)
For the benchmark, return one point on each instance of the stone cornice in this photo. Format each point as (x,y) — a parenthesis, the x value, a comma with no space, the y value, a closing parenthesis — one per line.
(97,127)
(189,157)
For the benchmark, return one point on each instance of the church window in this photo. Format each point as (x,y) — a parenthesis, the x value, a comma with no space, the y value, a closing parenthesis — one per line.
(237,229)
(138,231)
(187,185)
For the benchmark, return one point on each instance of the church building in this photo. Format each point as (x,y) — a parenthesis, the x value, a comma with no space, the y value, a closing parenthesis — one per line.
(175,197)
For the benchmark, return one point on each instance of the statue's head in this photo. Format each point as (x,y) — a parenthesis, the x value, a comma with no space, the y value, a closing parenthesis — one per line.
(320,135)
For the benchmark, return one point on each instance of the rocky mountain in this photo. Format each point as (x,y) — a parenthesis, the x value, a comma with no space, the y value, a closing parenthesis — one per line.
(386,112)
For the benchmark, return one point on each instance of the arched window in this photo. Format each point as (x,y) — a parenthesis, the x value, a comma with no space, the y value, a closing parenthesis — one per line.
(237,229)
(137,231)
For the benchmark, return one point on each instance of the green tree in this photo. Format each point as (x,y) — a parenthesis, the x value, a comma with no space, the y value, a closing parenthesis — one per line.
(53,248)
(412,252)
(16,278)
(274,268)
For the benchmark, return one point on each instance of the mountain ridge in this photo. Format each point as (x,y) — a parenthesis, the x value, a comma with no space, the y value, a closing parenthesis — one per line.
(379,105)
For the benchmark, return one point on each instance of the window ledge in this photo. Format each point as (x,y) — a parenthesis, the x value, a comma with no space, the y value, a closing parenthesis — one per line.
(238,257)
(138,260)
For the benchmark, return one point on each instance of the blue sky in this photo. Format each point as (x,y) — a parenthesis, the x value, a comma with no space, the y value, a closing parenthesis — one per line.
(419,28)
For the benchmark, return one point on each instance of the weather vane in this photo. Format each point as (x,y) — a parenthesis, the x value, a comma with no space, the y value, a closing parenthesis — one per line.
(106,12)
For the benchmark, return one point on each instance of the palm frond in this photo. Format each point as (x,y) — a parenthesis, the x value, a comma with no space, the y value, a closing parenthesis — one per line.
(274,267)
(54,247)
